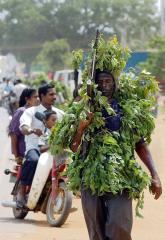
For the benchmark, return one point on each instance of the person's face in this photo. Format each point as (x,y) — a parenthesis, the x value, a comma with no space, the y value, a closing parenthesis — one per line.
(106,84)
(49,98)
(33,100)
(51,121)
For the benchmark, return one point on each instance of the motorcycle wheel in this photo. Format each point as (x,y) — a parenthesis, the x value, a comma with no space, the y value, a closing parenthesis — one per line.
(58,212)
(17,212)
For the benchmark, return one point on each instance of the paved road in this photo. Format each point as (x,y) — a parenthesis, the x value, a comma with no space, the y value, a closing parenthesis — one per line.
(35,227)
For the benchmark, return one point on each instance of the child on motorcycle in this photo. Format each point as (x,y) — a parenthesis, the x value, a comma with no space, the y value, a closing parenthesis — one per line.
(49,121)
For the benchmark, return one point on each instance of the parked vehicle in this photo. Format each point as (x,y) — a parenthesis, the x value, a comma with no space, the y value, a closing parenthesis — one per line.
(67,77)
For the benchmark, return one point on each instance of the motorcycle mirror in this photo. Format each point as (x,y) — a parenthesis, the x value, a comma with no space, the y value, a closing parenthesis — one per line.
(40,116)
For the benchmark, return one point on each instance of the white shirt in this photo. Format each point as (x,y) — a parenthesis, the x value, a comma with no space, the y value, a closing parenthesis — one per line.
(28,118)
(18,88)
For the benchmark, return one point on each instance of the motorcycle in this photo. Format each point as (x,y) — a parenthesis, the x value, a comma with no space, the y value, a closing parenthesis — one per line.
(48,192)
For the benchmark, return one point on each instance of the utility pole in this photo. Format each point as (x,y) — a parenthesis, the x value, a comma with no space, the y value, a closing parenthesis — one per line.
(162,24)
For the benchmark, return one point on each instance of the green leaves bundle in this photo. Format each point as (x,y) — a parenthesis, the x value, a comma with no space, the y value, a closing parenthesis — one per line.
(110,165)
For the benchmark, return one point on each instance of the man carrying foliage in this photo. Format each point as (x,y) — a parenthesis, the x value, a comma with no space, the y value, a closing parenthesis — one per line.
(103,136)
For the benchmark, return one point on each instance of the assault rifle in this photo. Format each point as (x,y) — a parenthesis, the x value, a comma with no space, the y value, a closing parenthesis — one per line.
(90,93)
(91,81)
(75,92)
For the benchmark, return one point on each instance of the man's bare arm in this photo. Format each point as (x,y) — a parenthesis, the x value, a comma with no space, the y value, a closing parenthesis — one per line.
(77,139)
(80,131)
(145,155)
(14,144)
(44,148)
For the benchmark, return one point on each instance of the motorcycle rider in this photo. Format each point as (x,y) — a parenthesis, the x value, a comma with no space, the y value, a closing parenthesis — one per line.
(28,98)
(32,128)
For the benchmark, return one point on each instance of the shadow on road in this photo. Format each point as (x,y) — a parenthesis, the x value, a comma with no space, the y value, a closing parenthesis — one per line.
(73,209)
(40,223)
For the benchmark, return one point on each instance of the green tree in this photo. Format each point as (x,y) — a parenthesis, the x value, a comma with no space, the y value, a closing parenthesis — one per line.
(26,25)
(55,55)
(128,19)
(136,21)
(156,61)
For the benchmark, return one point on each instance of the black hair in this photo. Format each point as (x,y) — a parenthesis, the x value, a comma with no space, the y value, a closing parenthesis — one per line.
(44,89)
(17,81)
(26,94)
(48,114)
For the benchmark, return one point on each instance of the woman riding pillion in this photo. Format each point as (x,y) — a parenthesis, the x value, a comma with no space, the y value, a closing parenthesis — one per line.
(28,98)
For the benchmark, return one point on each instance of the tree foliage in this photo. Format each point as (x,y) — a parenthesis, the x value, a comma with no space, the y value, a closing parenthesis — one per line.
(55,55)
(26,25)
(156,60)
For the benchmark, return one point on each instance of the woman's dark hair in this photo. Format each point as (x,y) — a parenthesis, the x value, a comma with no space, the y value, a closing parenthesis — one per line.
(44,89)
(26,94)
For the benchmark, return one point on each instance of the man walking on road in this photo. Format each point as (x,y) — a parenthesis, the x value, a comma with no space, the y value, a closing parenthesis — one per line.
(113,119)
(109,217)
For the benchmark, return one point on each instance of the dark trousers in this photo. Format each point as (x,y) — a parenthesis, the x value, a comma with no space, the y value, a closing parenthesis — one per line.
(107,217)
(29,167)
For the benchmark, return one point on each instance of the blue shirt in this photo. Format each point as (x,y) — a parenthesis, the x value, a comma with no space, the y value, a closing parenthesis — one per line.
(113,123)
(8,88)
